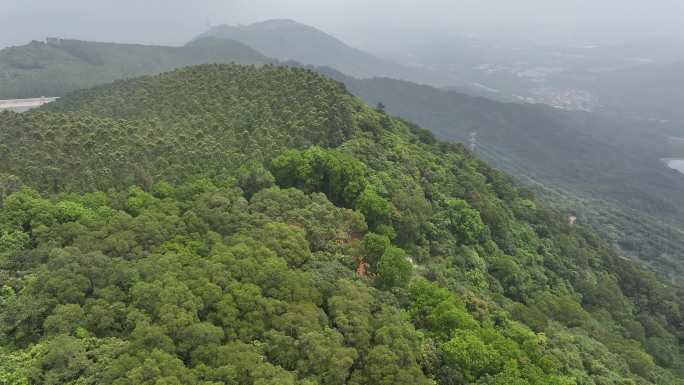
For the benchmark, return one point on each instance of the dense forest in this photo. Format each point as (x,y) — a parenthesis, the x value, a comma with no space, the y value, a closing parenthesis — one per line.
(59,66)
(605,171)
(227,224)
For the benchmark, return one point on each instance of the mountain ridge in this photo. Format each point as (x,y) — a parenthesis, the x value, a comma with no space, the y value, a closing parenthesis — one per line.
(63,65)
(289,40)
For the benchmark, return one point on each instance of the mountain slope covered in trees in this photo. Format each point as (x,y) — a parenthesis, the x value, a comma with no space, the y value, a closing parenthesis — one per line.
(566,148)
(606,170)
(241,225)
(61,66)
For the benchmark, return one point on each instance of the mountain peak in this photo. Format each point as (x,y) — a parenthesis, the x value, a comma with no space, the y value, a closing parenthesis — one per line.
(278,30)
(280,22)
(290,40)
(269,23)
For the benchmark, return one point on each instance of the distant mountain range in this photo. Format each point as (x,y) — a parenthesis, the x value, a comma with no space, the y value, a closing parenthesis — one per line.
(606,79)
(288,40)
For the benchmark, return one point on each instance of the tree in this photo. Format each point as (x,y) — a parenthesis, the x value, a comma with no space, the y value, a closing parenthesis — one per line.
(8,184)
(252,177)
(65,319)
(382,366)
(394,268)
(376,209)
(339,176)
(63,360)
(323,356)
(374,246)
(13,241)
(287,241)
(465,222)
(149,368)
(471,355)
(350,312)
(13,367)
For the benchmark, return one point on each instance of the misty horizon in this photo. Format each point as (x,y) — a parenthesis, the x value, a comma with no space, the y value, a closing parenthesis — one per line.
(379,25)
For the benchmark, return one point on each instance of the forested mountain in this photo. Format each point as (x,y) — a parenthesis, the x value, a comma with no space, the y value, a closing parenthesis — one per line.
(608,170)
(288,40)
(61,66)
(604,170)
(224,224)
(569,148)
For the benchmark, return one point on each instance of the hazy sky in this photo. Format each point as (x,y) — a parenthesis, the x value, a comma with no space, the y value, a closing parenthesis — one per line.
(365,23)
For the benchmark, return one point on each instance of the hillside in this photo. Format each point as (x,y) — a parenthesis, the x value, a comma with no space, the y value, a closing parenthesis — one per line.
(556,146)
(225,121)
(605,169)
(239,225)
(61,66)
